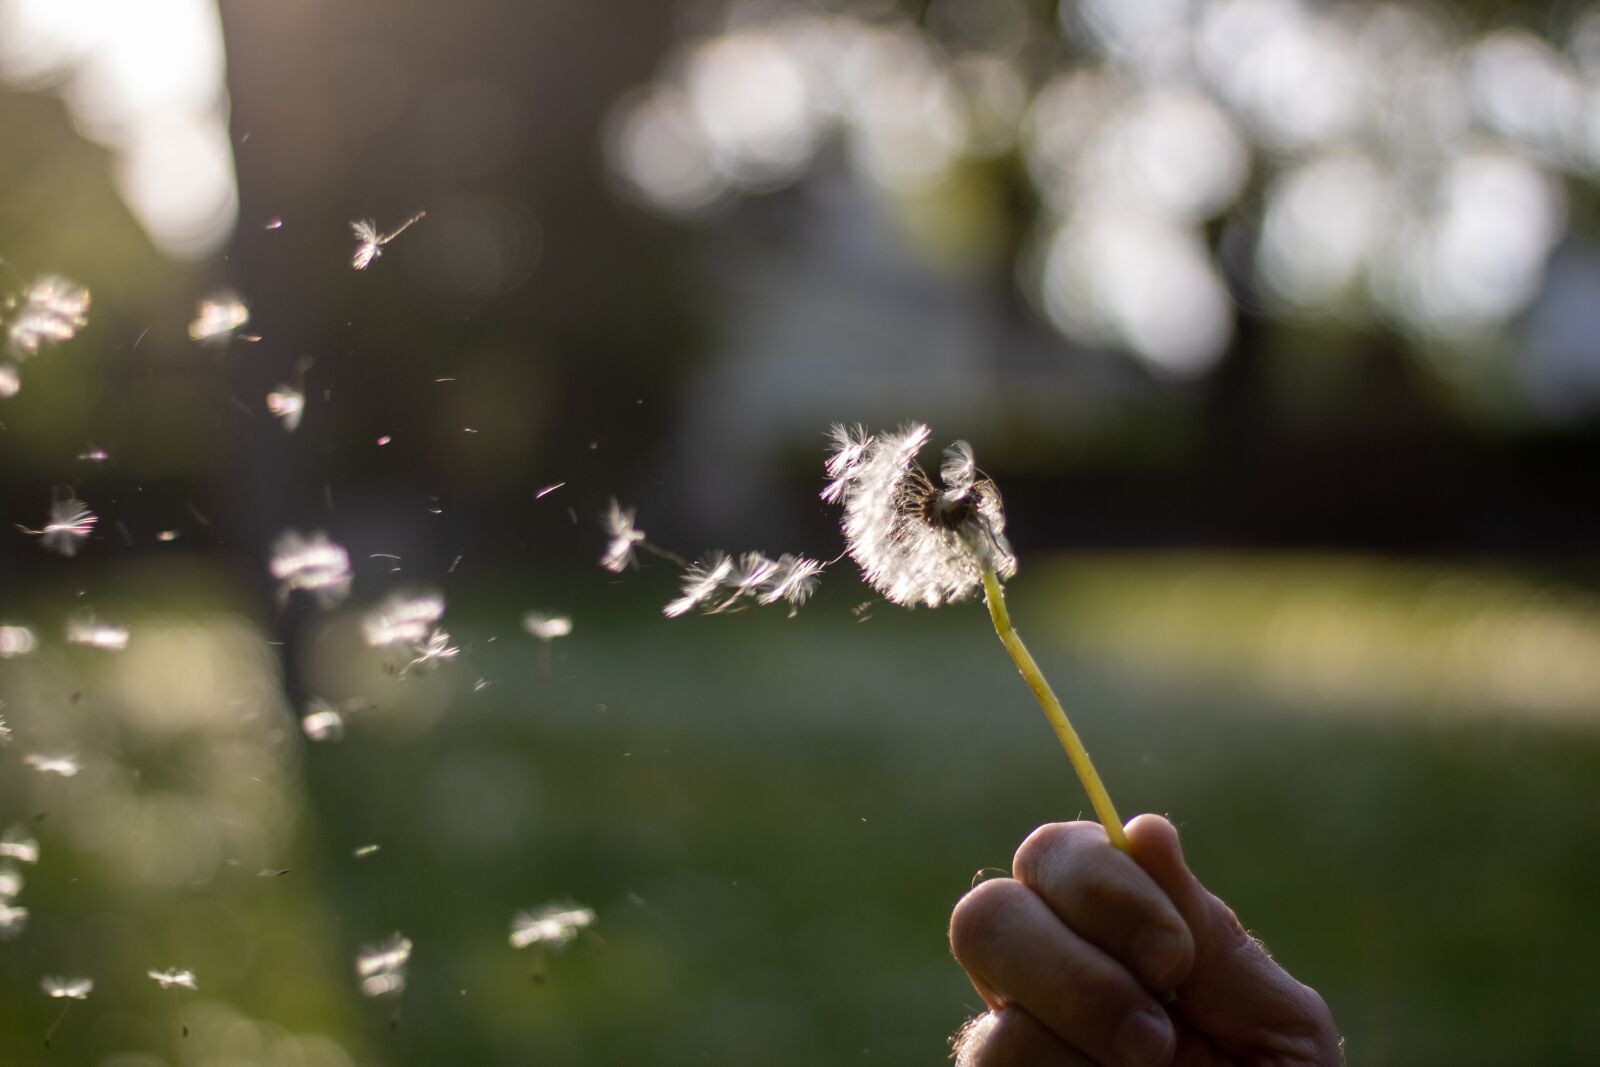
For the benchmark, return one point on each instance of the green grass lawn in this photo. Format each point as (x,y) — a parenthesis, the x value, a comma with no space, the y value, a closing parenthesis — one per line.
(773,817)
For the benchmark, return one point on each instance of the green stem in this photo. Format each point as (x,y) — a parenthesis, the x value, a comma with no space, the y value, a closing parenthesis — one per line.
(996,599)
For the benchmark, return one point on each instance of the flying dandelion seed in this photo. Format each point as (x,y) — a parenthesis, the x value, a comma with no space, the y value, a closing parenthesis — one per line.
(546,627)
(625,537)
(16,641)
(432,652)
(311,564)
(66,988)
(17,845)
(10,381)
(174,979)
(217,318)
(547,490)
(11,883)
(5,731)
(94,455)
(274,223)
(322,722)
(63,766)
(13,920)
(71,523)
(382,967)
(288,404)
(552,926)
(917,543)
(84,629)
(369,242)
(49,311)
(722,583)
(363,851)
(402,619)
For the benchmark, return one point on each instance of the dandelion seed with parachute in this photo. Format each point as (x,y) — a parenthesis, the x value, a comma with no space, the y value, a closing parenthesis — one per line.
(431,652)
(174,979)
(17,844)
(217,317)
(322,721)
(61,766)
(552,926)
(363,851)
(13,920)
(311,564)
(50,310)
(10,381)
(404,618)
(288,404)
(921,543)
(546,627)
(721,583)
(382,967)
(624,536)
(11,883)
(83,628)
(71,523)
(369,242)
(66,990)
(5,731)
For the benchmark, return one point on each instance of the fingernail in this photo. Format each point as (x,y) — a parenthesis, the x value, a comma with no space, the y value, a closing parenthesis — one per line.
(1157,952)
(1144,1040)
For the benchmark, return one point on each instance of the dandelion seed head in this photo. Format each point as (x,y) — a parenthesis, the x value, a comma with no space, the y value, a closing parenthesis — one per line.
(58,988)
(311,564)
(382,967)
(322,721)
(13,920)
(17,844)
(50,310)
(917,543)
(11,883)
(546,627)
(84,629)
(16,641)
(288,404)
(174,979)
(402,619)
(218,317)
(625,537)
(552,926)
(62,766)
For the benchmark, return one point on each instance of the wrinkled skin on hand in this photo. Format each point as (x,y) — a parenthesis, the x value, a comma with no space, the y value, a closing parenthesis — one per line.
(1092,956)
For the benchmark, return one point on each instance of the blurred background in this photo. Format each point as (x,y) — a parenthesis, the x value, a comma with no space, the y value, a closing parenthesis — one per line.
(1273,319)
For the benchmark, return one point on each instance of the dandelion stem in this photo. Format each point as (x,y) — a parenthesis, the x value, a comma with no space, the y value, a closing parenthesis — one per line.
(995,598)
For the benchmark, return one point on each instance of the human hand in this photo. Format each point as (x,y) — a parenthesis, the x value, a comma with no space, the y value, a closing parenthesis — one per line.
(1093,956)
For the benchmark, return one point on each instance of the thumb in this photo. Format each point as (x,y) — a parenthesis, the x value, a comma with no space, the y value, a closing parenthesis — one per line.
(1235,994)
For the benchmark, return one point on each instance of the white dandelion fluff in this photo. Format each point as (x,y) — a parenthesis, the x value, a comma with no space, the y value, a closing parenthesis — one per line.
(721,583)
(404,618)
(5,731)
(546,627)
(624,536)
(10,381)
(17,844)
(83,628)
(13,920)
(71,523)
(311,564)
(174,979)
(58,988)
(551,926)
(11,883)
(61,766)
(218,317)
(322,721)
(288,404)
(16,641)
(431,652)
(370,242)
(50,310)
(917,543)
(382,967)
(363,851)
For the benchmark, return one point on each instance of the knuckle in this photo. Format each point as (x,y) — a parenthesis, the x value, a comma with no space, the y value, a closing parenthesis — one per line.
(1050,846)
(979,916)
